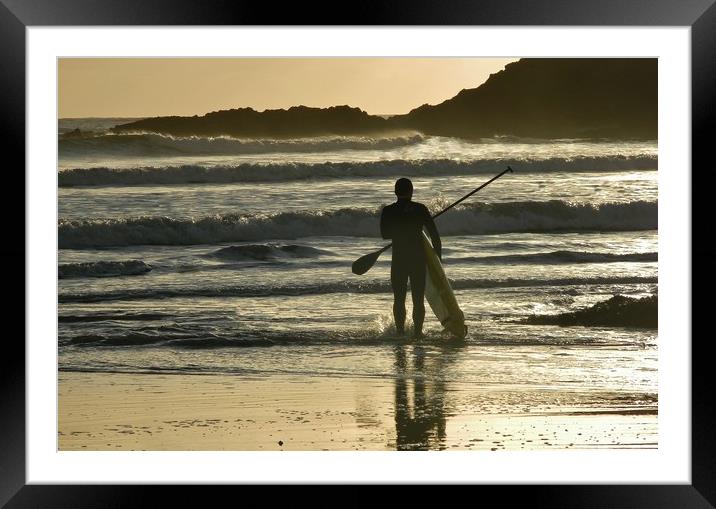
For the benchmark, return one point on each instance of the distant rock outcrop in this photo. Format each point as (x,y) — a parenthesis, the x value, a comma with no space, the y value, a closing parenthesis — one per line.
(246,122)
(551,98)
(74,133)
(534,97)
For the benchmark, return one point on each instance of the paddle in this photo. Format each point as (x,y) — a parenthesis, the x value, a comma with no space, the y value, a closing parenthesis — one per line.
(364,263)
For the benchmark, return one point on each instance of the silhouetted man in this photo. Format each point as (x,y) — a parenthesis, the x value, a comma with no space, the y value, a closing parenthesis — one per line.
(403,222)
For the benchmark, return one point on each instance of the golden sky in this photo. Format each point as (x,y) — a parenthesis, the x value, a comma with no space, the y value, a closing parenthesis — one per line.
(145,87)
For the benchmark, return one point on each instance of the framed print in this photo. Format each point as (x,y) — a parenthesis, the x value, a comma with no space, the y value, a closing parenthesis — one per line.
(211,297)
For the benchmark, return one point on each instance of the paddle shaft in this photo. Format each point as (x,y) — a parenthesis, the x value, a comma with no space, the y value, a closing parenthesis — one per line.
(508,170)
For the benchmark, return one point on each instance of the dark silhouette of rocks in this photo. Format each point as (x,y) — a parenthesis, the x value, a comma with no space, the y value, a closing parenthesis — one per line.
(74,133)
(551,98)
(247,122)
(534,97)
(619,311)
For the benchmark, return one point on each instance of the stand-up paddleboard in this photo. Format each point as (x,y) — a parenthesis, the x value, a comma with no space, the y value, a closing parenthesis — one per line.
(440,295)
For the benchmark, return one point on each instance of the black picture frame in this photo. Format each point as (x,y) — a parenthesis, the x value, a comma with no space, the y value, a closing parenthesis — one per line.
(700,15)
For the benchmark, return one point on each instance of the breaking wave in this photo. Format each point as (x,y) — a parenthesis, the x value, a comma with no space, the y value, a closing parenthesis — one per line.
(195,174)
(474,219)
(560,257)
(149,144)
(348,286)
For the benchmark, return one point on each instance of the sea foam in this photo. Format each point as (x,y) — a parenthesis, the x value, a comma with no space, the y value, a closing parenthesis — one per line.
(474,219)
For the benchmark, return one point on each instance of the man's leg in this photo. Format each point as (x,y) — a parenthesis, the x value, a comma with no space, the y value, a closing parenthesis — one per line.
(417,290)
(399,282)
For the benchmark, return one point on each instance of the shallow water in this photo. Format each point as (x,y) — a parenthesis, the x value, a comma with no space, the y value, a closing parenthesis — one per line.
(247,271)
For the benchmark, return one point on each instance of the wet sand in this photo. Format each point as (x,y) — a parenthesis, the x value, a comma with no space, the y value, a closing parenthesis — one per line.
(112,411)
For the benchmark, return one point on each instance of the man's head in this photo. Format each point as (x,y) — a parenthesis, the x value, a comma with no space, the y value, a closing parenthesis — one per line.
(403,188)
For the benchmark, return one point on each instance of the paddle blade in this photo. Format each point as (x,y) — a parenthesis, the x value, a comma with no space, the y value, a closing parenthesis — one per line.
(364,263)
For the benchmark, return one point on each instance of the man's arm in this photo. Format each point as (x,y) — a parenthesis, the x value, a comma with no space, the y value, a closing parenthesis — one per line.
(434,235)
(386,227)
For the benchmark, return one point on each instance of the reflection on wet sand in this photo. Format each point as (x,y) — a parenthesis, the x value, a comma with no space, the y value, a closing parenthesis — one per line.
(420,426)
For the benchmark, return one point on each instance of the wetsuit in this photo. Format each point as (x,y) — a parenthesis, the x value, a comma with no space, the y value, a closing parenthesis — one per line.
(403,222)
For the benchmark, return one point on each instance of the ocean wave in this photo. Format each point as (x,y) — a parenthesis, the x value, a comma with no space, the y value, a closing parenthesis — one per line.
(150,144)
(558,257)
(195,174)
(474,219)
(90,126)
(186,340)
(348,286)
(265,252)
(376,333)
(114,317)
(102,269)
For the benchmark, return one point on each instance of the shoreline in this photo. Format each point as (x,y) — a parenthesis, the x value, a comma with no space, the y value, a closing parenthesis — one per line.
(112,411)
